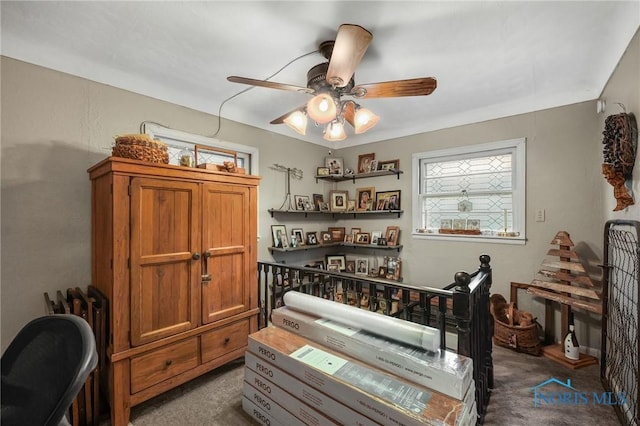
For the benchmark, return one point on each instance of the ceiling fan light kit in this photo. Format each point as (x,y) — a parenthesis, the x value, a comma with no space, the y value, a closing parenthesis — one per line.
(329,81)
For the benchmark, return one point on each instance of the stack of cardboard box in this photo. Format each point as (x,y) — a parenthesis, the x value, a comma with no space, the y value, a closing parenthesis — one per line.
(309,370)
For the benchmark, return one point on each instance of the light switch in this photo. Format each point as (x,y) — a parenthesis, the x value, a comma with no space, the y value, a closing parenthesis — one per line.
(539,215)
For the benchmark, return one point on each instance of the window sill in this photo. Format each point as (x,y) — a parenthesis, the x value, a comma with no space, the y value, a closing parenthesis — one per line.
(470,238)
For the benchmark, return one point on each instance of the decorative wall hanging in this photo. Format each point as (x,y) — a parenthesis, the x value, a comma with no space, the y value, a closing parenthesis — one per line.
(620,144)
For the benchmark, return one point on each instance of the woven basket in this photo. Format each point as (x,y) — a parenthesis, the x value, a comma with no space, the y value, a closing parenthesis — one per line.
(519,338)
(141,147)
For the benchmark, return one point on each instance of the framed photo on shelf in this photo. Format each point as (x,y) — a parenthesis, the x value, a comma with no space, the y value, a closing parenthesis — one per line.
(337,233)
(388,200)
(338,201)
(446,224)
(333,267)
(374,165)
(322,171)
(297,232)
(325,237)
(354,231)
(459,224)
(312,238)
(317,199)
(351,266)
(279,236)
(351,205)
(390,165)
(364,162)
(392,235)
(364,197)
(334,164)
(301,201)
(363,238)
(348,238)
(362,266)
(473,224)
(375,236)
(337,259)
(394,268)
(324,207)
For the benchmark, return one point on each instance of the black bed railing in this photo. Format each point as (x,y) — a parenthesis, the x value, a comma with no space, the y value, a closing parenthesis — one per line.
(460,308)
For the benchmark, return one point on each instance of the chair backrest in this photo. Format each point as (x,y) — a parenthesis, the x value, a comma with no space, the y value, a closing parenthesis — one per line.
(44,368)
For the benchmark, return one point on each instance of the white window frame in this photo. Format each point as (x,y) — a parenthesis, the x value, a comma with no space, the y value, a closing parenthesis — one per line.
(518,149)
(249,153)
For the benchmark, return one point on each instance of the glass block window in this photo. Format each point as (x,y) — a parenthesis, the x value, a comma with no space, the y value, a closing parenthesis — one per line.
(475,191)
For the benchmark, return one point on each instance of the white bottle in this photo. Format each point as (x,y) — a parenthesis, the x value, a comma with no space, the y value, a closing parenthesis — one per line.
(571,346)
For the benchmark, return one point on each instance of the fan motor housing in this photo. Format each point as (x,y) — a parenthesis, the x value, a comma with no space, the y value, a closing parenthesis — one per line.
(317,80)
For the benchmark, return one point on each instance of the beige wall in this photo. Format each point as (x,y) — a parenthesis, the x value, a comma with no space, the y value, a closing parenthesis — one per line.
(55,126)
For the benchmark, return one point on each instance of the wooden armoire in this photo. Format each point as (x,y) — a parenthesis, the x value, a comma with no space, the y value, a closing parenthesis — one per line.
(174,250)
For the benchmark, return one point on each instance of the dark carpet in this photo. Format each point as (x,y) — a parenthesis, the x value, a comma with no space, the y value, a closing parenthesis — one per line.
(215,398)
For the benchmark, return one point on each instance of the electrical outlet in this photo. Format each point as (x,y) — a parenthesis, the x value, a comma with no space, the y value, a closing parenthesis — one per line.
(539,215)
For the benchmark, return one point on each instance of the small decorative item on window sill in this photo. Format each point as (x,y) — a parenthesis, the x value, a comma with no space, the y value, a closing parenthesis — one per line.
(465,205)
(620,145)
(226,166)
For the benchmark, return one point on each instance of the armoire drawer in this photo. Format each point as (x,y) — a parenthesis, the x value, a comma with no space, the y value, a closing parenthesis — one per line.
(224,340)
(162,364)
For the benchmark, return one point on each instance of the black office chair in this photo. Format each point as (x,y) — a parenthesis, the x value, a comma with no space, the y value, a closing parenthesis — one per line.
(44,368)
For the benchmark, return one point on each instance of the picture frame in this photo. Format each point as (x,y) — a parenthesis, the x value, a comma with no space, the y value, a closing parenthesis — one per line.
(473,224)
(338,201)
(375,236)
(392,235)
(300,236)
(324,206)
(337,233)
(459,224)
(322,171)
(394,269)
(348,238)
(351,205)
(312,238)
(389,165)
(335,166)
(364,162)
(364,198)
(350,266)
(388,200)
(362,266)
(355,231)
(382,241)
(301,201)
(293,241)
(333,267)
(325,237)
(374,166)
(317,199)
(279,236)
(362,238)
(336,259)
(446,224)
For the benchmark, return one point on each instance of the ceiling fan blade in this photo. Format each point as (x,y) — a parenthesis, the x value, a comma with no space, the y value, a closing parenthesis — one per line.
(391,89)
(269,84)
(280,119)
(351,43)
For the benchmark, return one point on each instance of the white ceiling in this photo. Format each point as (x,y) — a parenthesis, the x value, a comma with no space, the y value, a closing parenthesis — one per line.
(491,59)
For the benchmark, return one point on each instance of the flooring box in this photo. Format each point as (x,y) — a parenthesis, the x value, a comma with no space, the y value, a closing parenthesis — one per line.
(272,381)
(381,396)
(258,413)
(442,371)
(285,408)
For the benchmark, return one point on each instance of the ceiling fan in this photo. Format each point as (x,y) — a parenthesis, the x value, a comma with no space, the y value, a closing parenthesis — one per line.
(330,81)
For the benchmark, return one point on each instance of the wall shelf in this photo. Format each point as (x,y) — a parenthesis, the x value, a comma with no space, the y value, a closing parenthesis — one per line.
(337,215)
(335,244)
(353,177)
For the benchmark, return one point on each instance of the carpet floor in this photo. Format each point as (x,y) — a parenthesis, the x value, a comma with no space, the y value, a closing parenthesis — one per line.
(215,398)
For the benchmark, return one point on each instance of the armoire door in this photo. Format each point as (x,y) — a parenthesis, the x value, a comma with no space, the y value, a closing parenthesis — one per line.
(226,245)
(165,258)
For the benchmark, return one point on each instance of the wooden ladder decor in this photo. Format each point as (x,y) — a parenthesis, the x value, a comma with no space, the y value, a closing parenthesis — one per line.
(565,280)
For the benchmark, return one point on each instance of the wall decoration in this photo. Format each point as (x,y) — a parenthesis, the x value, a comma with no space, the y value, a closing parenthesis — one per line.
(338,201)
(364,162)
(620,146)
(388,200)
(364,198)
(334,164)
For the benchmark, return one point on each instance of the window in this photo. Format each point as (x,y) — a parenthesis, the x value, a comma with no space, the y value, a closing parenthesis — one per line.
(177,140)
(470,193)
